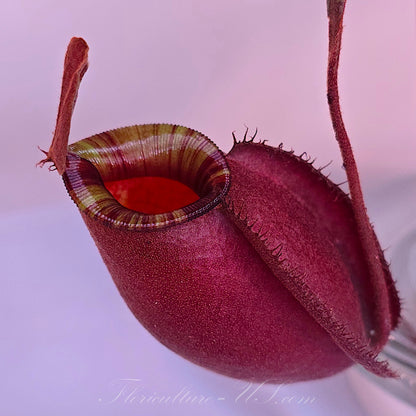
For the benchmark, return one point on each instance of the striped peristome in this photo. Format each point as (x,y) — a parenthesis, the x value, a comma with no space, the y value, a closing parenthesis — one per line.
(163,150)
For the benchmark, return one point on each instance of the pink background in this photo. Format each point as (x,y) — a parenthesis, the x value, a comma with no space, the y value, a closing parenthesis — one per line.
(215,66)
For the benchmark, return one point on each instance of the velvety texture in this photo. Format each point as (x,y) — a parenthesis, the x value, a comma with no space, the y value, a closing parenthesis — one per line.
(303,227)
(273,274)
(75,66)
(202,290)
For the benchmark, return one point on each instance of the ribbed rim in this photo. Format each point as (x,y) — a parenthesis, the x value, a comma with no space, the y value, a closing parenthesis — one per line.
(164,150)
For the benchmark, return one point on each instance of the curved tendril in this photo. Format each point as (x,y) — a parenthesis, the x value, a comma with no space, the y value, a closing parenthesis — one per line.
(335,14)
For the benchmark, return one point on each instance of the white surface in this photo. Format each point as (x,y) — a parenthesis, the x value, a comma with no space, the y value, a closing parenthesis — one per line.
(213,66)
(68,340)
(375,400)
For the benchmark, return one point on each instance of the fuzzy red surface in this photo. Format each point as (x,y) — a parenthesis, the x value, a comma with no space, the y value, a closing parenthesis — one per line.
(280,201)
(75,66)
(285,281)
(203,291)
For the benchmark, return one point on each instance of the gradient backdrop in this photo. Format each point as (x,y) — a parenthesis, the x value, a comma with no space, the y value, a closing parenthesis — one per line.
(67,340)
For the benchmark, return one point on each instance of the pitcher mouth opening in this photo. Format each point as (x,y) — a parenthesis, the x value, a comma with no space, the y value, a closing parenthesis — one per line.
(101,165)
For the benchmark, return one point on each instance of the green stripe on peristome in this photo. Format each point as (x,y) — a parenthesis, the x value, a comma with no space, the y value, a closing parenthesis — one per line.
(163,150)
